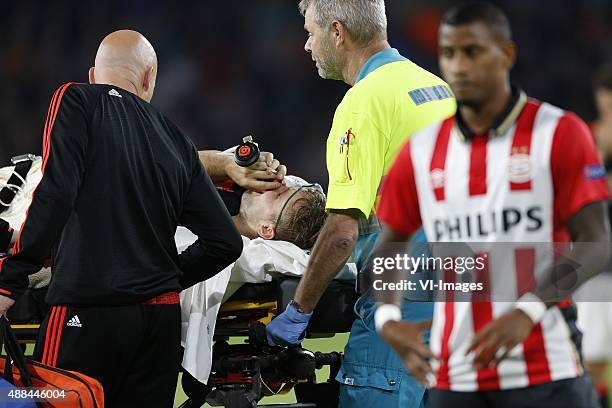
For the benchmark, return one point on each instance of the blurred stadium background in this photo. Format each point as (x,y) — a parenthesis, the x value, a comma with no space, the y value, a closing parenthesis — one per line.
(231,68)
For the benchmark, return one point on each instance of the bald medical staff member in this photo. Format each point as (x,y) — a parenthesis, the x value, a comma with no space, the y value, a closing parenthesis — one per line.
(118,177)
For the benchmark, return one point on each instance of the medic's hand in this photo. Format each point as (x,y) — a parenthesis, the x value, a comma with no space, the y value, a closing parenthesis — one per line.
(5,304)
(288,328)
(265,174)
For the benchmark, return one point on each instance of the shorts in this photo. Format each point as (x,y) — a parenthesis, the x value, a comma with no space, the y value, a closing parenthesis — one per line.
(573,392)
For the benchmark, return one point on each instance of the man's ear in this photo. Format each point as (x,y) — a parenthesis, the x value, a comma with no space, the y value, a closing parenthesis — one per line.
(338,33)
(509,50)
(146,79)
(92,78)
(266,230)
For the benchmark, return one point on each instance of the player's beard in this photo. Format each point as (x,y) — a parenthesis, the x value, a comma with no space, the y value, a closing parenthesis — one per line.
(476,102)
(330,64)
(469,103)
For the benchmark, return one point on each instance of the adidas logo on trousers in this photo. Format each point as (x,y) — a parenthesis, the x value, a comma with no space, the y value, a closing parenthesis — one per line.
(74,322)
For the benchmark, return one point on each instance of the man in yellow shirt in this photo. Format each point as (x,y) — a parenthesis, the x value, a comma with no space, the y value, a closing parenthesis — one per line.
(391,97)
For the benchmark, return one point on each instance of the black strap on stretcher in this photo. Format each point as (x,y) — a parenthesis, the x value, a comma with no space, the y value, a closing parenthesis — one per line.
(15,183)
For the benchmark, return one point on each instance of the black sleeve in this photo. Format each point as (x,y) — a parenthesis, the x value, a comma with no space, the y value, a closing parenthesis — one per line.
(219,242)
(64,145)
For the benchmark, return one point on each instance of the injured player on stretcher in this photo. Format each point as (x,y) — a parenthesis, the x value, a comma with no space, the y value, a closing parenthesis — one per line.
(278,228)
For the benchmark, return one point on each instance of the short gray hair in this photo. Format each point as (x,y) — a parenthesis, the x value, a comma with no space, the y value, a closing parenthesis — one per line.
(365,20)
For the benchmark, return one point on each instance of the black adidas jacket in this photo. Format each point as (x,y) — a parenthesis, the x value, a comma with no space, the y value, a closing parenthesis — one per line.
(118,177)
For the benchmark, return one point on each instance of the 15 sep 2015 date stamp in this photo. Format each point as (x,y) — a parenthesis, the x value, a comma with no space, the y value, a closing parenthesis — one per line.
(32,393)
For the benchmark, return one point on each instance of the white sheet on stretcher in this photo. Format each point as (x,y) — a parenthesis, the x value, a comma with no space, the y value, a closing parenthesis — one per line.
(260,261)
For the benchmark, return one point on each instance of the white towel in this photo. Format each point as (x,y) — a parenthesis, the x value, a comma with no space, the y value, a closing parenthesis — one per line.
(259,262)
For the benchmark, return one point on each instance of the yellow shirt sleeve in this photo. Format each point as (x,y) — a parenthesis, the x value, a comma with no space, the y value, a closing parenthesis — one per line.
(355,162)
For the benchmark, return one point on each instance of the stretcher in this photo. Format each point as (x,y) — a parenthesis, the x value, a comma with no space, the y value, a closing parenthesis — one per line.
(242,374)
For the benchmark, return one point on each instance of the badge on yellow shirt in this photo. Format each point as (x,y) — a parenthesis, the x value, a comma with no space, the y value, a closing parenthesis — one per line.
(345,141)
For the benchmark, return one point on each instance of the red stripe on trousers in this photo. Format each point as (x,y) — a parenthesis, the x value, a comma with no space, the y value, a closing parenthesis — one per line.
(478,166)
(438,158)
(59,336)
(482,314)
(49,333)
(521,143)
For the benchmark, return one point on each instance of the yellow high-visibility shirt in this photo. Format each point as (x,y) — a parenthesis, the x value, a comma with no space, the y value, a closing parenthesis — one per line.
(392,98)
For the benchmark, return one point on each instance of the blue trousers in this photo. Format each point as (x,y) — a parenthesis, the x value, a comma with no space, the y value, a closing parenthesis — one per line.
(372,374)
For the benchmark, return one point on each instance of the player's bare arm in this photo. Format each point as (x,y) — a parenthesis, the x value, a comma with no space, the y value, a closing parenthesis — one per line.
(390,236)
(589,225)
(333,248)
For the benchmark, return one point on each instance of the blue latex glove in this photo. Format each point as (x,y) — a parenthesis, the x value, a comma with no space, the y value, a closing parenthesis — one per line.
(288,328)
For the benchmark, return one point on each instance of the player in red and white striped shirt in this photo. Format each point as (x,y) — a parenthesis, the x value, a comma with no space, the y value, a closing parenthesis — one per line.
(508,169)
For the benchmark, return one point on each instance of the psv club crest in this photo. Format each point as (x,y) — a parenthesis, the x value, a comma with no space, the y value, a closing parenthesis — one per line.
(519,166)
(438,178)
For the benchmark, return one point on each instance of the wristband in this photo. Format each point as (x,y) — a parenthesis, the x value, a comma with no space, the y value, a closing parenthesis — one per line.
(385,313)
(295,314)
(532,306)
(298,308)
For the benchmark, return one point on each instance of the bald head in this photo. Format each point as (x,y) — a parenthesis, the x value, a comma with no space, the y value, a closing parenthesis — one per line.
(127,60)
